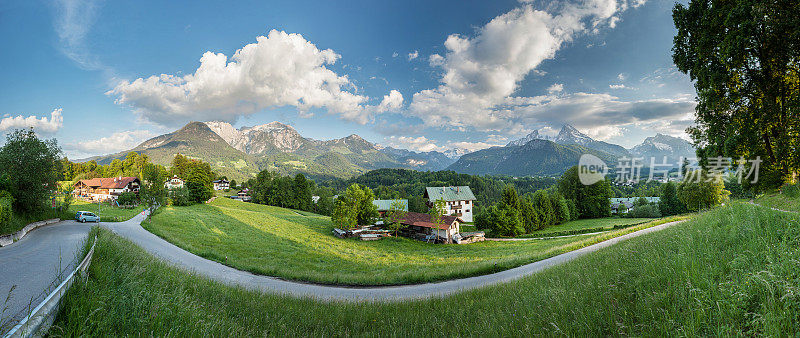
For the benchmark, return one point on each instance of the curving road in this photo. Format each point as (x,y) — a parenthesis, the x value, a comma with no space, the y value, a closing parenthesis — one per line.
(31,264)
(34,262)
(225,274)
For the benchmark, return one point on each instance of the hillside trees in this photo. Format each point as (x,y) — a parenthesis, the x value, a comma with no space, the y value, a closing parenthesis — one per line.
(282,191)
(35,167)
(514,215)
(199,183)
(702,193)
(591,201)
(744,59)
(669,203)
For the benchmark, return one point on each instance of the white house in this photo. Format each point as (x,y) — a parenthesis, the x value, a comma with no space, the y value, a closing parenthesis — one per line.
(221,184)
(459,201)
(174,183)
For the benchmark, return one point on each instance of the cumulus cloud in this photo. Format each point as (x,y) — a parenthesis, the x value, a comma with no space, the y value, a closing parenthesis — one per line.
(422,143)
(617,86)
(480,74)
(413,55)
(280,69)
(42,125)
(117,142)
(555,88)
(393,101)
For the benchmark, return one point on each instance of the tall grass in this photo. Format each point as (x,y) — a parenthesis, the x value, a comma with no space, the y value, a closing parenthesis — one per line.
(731,271)
(280,242)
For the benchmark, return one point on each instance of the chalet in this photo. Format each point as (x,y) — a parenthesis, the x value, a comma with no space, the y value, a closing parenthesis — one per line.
(459,201)
(106,188)
(174,183)
(423,224)
(384,205)
(222,184)
(626,204)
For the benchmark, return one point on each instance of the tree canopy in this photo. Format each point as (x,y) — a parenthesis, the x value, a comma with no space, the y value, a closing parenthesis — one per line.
(30,167)
(744,59)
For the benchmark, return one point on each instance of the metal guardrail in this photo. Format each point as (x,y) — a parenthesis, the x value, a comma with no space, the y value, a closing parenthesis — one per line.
(39,320)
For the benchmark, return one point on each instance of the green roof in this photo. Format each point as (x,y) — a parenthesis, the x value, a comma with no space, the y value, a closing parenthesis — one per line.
(460,193)
(385,205)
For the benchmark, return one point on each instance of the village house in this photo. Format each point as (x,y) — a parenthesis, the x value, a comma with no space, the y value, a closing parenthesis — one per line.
(383,206)
(419,223)
(459,201)
(174,183)
(222,184)
(106,188)
(623,205)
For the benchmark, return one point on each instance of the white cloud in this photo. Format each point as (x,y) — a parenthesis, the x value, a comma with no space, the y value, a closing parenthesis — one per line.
(413,55)
(481,73)
(422,143)
(393,101)
(436,60)
(555,88)
(73,20)
(617,86)
(395,54)
(622,77)
(117,142)
(42,125)
(280,69)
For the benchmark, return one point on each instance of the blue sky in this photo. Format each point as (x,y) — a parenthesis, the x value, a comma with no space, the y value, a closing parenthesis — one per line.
(424,75)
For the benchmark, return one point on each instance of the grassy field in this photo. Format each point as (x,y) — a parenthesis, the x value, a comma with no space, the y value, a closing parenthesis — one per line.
(19,221)
(779,201)
(588,225)
(729,272)
(107,213)
(281,242)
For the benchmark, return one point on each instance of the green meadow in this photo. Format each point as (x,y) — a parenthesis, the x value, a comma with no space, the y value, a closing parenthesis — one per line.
(732,271)
(280,242)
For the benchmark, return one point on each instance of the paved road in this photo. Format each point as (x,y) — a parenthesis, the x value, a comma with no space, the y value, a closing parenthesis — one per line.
(36,261)
(216,271)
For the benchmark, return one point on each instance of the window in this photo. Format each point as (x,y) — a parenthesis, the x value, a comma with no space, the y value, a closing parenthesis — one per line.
(467,210)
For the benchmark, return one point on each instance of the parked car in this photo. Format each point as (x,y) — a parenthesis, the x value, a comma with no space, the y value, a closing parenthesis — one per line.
(85,216)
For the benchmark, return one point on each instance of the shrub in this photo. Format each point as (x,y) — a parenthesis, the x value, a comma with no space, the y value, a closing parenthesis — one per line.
(6,204)
(127,198)
(792,190)
(644,211)
(180,196)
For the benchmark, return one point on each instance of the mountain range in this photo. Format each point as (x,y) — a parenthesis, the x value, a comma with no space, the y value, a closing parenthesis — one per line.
(539,154)
(243,152)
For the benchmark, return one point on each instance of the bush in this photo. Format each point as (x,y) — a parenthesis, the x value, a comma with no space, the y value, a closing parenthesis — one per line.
(792,190)
(6,204)
(644,211)
(180,197)
(127,198)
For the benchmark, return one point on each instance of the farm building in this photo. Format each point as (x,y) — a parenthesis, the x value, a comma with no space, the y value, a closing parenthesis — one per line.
(384,205)
(101,189)
(459,200)
(418,223)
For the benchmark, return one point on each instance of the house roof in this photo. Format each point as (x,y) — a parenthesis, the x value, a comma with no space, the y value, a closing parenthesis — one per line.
(221,181)
(385,205)
(631,200)
(459,193)
(109,182)
(424,220)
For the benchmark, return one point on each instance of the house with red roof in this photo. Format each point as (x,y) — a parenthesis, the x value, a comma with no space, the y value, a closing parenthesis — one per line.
(449,228)
(105,188)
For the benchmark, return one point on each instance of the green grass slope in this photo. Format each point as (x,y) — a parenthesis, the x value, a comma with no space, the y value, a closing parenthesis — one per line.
(279,242)
(730,272)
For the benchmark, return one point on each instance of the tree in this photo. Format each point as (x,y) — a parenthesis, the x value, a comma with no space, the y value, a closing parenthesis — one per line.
(357,199)
(180,196)
(702,193)
(396,216)
(542,203)
(437,211)
(744,59)
(36,168)
(591,201)
(502,221)
(199,185)
(233,184)
(6,206)
(669,203)
(302,193)
(344,214)
(152,192)
(127,198)
(324,205)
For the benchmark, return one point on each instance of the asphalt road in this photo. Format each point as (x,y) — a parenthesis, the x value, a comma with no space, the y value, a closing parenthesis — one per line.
(35,262)
(216,271)
(32,264)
